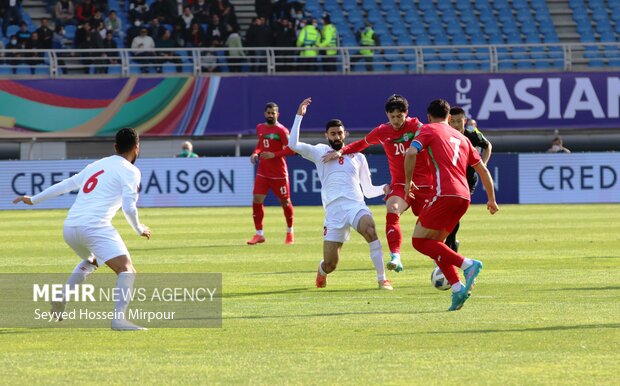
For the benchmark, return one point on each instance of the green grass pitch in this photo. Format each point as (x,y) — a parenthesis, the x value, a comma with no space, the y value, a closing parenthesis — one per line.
(546,308)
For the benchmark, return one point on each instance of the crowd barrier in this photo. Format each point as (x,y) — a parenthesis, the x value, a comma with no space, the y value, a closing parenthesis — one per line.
(228,181)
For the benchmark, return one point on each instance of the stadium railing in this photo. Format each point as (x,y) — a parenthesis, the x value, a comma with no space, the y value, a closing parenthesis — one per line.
(271,60)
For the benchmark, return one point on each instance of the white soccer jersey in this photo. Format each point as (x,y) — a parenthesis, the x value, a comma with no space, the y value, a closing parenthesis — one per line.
(104,187)
(339,178)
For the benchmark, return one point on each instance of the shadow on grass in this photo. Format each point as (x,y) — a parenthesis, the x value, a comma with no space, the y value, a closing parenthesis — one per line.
(298,290)
(177,248)
(311,271)
(329,314)
(533,329)
(609,288)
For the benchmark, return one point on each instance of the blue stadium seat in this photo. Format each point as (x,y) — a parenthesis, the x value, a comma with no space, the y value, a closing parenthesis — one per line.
(12,30)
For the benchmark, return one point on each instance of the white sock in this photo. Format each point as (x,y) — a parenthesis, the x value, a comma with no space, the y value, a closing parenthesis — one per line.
(466,263)
(376,255)
(81,271)
(259,232)
(457,287)
(124,285)
(321,268)
(289,230)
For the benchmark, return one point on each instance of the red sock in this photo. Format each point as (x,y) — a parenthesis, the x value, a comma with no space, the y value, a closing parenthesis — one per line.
(288,213)
(447,260)
(392,232)
(258,211)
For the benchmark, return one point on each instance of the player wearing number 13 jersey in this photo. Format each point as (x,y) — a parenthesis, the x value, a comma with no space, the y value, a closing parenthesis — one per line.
(271,172)
(344,183)
(395,137)
(104,187)
(451,153)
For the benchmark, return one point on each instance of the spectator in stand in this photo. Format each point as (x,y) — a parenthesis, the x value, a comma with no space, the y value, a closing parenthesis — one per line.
(284,36)
(216,32)
(225,10)
(59,42)
(329,41)
(165,41)
(143,46)
(164,10)
(309,38)
(236,56)
(45,34)
(156,29)
(100,28)
(36,58)
(96,19)
(64,12)
(111,57)
(13,58)
(133,31)
(12,13)
(101,5)
(299,19)
(23,35)
(114,24)
(186,20)
(200,10)
(557,146)
(196,37)
(89,39)
(138,10)
(84,12)
(258,35)
(178,35)
(367,38)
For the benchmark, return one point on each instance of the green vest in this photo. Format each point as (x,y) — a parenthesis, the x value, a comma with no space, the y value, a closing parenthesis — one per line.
(368,40)
(330,38)
(309,37)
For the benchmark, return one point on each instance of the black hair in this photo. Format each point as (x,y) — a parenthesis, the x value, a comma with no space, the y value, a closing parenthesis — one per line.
(395,102)
(333,123)
(457,110)
(126,139)
(439,108)
(272,105)
(327,18)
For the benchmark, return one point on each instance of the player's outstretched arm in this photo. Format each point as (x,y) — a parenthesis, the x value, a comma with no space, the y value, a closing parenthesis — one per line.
(65,186)
(307,151)
(368,188)
(487,182)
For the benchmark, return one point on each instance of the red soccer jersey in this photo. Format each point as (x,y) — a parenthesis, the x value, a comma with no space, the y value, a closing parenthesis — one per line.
(274,139)
(395,143)
(450,153)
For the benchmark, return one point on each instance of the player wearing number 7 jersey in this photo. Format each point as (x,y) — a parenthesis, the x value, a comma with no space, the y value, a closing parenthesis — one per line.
(104,187)
(451,153)
(344,183)
(395,137)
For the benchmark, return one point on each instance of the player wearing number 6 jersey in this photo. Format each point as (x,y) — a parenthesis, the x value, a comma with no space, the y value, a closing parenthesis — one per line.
(395,137)
(342,197)
(104,187)
(271,173)
(451,153)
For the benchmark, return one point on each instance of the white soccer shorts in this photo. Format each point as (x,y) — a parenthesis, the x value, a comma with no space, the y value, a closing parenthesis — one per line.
(103,243)
(340,216)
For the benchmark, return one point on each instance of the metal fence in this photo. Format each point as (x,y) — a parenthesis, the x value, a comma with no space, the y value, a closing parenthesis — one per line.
(271,60)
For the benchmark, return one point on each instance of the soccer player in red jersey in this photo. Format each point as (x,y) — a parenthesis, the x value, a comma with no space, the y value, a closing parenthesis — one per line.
(272,172)
(395,137)
(450,152)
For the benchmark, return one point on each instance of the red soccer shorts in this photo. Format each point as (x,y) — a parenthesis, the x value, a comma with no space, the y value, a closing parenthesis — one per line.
(422,196)
(279,186)
(443,213)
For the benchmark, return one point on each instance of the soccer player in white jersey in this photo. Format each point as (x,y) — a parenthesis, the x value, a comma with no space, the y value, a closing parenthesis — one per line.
(342,197)
(104,187)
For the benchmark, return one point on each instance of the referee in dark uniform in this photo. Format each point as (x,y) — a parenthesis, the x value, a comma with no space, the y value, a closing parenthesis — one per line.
(457,121)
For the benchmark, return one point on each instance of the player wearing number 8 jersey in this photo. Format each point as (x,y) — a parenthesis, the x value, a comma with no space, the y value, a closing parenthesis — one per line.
(451,153)
(104,187)
(395,137)
(272,172)
(344,183)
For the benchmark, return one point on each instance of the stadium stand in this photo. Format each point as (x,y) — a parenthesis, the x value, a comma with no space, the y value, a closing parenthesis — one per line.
(415,36)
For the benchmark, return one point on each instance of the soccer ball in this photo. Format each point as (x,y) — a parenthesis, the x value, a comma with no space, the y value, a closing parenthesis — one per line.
(438,280)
